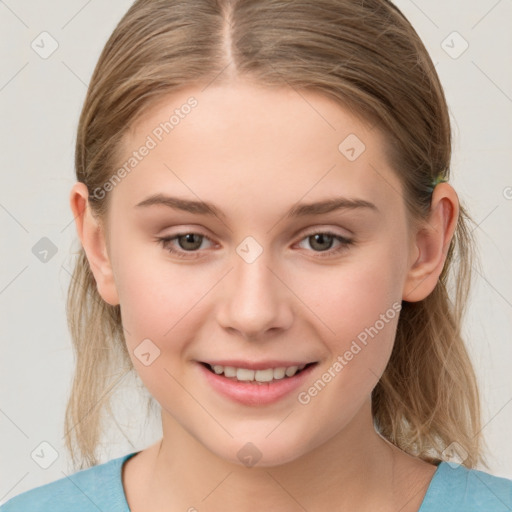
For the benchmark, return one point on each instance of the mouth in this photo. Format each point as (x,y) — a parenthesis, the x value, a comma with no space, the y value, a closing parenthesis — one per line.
(257,376)
(264,384)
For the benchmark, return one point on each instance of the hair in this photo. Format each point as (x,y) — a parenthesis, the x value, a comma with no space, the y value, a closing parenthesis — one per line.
(367,57)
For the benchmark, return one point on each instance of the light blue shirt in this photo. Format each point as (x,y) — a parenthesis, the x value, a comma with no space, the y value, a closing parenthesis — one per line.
(453,488)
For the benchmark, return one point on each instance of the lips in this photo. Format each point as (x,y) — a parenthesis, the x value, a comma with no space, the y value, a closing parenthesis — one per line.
(252,392)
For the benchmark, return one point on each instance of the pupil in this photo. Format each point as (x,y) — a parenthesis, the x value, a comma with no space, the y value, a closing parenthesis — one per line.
(188,239)
(321,237)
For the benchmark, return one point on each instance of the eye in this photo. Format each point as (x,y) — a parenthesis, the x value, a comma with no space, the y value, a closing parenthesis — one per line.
(322,241)
(189,243)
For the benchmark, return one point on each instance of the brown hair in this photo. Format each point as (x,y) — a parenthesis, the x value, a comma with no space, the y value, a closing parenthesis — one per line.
(367,57)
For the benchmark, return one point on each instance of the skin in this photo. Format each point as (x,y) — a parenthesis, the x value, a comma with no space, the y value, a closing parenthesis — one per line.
(239,150)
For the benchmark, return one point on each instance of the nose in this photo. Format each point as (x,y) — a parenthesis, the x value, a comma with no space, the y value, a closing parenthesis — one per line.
(254,299)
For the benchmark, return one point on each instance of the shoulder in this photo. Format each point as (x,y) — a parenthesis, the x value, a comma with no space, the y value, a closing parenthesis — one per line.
(97,488)
(455,488)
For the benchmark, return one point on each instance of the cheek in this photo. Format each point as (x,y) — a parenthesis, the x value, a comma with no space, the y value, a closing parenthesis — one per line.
(354,295)
(160,304)
(359,304)
(155,293)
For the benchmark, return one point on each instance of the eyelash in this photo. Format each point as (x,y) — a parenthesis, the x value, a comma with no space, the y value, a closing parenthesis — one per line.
(165,241)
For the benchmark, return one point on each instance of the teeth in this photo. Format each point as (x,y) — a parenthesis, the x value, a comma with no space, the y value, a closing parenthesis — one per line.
(229,371)
(291,371)
(243,374)
(267,375)
(279,373)
(264,375)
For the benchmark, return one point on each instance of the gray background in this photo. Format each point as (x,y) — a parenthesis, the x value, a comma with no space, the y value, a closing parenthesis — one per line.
(40,101)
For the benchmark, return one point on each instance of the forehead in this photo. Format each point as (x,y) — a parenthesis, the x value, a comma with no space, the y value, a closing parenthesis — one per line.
(254,145)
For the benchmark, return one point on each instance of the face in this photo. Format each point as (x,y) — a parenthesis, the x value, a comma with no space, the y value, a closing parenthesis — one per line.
(263,282)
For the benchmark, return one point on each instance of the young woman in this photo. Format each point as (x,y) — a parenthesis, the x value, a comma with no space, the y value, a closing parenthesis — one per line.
(267,236)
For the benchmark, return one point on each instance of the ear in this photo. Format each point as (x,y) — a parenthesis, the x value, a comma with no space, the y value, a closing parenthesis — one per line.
(91,233)
(431,241)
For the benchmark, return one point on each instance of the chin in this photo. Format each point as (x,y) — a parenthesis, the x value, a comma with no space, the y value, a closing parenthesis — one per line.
(263,453)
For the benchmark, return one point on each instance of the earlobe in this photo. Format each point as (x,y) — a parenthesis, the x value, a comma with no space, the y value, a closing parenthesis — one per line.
(432,241)
(92,237)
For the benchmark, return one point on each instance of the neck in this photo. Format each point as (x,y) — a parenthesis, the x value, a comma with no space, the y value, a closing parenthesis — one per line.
(351,469)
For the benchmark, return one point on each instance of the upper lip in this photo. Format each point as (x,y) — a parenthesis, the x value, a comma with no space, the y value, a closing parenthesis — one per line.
(260,365)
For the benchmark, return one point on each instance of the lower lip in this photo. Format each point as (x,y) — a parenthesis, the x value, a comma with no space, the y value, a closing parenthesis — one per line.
(252,393)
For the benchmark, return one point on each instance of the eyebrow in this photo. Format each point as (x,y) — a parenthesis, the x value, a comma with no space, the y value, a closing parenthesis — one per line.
(298,210)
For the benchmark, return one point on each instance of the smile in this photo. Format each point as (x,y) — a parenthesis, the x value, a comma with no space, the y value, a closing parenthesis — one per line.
(259,376)
(255,387)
